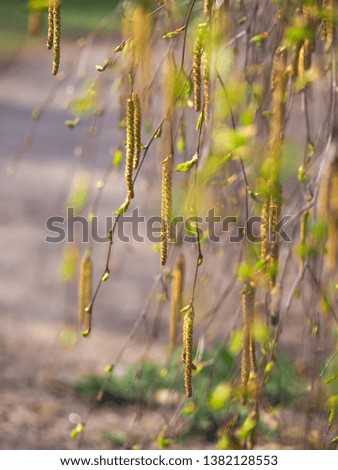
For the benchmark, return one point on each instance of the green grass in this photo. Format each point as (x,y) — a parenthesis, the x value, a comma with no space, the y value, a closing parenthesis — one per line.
(215,396)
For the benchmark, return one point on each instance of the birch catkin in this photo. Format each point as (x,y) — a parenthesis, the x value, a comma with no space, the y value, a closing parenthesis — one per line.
(85,289)
(273,192)
(208,8)
(188,326)
(248,350)
(176,299)
(196,66)
(56,36)
(50,34)
(328,210)
(137,130)
(206,84)
(166,206)
(130,147)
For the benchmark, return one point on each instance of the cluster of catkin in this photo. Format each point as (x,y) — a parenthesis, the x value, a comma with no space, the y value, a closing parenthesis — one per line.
(302,50)
(133,145)
(271,208)
(54,32)
(85,293)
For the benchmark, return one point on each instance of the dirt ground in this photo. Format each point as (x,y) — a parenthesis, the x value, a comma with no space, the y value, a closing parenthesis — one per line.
(36,406)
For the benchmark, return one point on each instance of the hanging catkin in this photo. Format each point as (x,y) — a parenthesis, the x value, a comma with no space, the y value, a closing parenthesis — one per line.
(130,147)
(304,59)
(176,299)
(166,206)
(85,289)
(137,130)
(196,66)
(50,34)
(273,191)
(56,36)
(208,8)
(206,84)
(328,209)
(248,349)
(275,212)
(188,326)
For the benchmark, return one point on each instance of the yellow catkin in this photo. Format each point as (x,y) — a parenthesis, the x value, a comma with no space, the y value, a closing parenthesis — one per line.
(248,349)
(196,67)
(304,58)
(176,299)
(275,212)
(333,218)
(50,34)
(206,84)
(328,211)
(188,326)
(137,130)
(56,36)
(273,199)
(85,288)
(208,8)
(130,147)
(165,206)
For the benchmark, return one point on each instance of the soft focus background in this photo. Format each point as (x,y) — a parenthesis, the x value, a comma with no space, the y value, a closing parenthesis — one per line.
(49,373)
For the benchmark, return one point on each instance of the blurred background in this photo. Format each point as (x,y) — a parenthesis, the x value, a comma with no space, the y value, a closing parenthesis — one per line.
(50,374)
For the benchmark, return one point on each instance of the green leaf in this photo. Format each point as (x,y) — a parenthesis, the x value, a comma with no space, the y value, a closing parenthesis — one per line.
(269,366)
(80,192)
(173,34)
(69,262)
(164,442)
(244,272)
(249,425)
(109,368)
(331,379)
(38,4)
(77,430)
(259,39)
(220,396)
(185,309)
(236,341)
(123,208)
(105,277)
(186,166)
(118,158)
(72,123)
